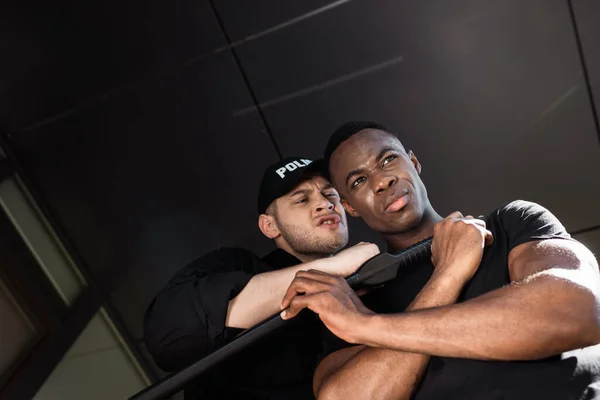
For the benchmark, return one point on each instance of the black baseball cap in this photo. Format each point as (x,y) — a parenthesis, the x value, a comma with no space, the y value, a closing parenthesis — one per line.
(283,176)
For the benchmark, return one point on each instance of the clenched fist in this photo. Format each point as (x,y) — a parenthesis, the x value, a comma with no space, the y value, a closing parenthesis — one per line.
(347,261)
(457,246)
(329,296)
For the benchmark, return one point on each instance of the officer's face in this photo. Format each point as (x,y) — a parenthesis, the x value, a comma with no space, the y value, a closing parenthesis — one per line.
(311,218)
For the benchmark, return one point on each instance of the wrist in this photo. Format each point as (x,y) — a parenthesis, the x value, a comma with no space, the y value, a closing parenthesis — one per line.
(445,279)
(327,265)
(369,327)
(334,265)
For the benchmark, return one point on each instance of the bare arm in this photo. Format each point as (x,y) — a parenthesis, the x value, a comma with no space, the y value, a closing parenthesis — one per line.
(261,297)
(384,374)
(552,308)
(368,372)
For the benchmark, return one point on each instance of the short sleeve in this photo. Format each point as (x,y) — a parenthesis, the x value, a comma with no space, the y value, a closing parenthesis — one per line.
(525,221)
(186,319)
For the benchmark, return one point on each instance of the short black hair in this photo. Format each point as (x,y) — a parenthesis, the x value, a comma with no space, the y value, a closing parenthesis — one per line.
(344,132)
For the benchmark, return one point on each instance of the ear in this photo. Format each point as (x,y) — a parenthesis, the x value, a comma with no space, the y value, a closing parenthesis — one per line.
(415,161)
(268,226)
(349,209)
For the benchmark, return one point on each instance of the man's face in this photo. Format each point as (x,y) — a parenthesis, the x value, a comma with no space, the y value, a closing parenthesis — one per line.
(379,181)
(311,218)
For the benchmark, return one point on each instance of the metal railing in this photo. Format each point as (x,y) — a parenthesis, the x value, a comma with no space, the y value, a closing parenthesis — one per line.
(375,271)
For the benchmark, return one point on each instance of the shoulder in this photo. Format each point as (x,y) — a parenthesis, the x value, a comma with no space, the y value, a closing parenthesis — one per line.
(523,221)
(220,260)
(521,208)
(523,211)
(227,252)
(224,255)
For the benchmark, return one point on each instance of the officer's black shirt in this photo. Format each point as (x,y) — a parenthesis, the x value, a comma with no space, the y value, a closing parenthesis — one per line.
(574,375)
(186,321)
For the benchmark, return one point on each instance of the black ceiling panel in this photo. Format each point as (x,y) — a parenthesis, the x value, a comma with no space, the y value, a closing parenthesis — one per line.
(58,55)
(587,18)
(150,180)
(242,19)
(489,94)
(359,36)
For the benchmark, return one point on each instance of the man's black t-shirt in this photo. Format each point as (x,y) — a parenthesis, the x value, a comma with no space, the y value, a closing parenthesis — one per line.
(573,375)
(186,321)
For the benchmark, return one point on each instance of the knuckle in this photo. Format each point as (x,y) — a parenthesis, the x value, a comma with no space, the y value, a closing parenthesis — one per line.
(330,279)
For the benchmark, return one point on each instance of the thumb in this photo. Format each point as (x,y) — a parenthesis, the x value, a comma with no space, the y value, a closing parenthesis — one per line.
(489,238)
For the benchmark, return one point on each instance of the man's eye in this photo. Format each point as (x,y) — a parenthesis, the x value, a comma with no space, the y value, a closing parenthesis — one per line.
(331,195)
(356,182)
(389,158)
(303,200)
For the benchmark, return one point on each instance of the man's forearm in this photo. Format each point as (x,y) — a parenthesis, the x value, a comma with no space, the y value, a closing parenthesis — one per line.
(544,316)
(261,297)
(381,373)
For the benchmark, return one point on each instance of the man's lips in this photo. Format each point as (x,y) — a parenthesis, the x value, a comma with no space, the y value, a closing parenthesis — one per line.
(329,221)
(397,203)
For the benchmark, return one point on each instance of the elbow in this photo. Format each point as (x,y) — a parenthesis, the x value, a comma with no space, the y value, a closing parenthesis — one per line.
(335,391)
(330,387)
(328,391)
(589,327)
(585,328)
(174,355)
(174,346)
(590,332)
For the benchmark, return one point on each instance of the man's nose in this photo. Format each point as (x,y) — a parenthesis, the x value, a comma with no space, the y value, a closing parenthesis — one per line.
(324,205)
(384,183)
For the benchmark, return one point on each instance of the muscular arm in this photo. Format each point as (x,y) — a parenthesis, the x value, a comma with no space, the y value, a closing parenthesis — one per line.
(384,374)
(551,307)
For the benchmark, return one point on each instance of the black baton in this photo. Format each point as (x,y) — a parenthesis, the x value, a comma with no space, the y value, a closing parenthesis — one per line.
(377,270)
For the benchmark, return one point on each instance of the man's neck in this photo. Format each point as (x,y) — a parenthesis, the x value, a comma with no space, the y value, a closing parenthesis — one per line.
(400,241)
(302,256)
(308,257)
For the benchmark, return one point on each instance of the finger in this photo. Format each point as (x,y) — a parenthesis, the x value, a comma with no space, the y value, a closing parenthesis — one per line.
(489,238)
(304,286)
(455,214)
(475,221)
(365,290)
(317,275)
(299,303)
(324,277)
(301,286)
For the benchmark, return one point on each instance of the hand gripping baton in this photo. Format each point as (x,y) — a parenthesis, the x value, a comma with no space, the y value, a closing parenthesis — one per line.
(375,271)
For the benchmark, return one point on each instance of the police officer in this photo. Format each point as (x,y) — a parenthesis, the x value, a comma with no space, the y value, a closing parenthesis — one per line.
(214,298)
